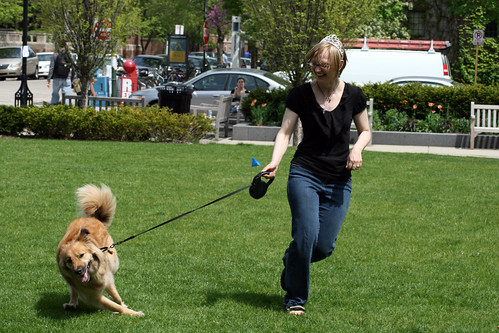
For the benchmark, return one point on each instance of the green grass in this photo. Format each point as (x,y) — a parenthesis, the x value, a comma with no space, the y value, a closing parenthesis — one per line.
(418,251)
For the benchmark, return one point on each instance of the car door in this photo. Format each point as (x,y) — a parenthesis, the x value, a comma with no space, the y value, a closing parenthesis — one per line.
(31,62)
(209,88)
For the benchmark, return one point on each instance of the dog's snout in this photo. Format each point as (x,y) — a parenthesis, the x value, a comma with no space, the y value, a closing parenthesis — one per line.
(79,271)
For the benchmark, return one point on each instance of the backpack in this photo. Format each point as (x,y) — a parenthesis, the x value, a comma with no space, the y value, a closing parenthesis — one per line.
(62,66)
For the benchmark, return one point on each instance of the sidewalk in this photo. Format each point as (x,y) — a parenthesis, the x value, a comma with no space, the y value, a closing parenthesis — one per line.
(487,153)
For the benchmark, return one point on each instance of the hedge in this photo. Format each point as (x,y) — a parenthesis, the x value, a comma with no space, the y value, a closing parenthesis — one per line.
(123,124)
(412,107)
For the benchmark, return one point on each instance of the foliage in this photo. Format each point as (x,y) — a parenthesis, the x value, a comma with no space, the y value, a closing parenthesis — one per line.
(159,17)
(265,107)
(219,20)
(412,107)
(288,29)
(123,124)
(414,98)
(463,69)
(82,27)
(11,15)
(390,21)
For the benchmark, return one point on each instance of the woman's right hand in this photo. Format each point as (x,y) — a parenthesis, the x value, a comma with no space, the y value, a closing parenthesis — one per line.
(271,169)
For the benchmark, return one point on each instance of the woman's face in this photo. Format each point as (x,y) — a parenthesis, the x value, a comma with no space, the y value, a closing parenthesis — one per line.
(240,83)
(322,68)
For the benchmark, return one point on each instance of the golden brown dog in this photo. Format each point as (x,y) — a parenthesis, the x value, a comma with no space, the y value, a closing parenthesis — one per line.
(87,269)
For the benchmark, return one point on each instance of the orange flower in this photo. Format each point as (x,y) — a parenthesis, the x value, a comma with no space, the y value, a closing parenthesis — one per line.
(439,106)
(414,106)
(433,111)
(430,104)
(264,104)
(253,102)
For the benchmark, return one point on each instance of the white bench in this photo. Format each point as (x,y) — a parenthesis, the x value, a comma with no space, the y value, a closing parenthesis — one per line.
(220,111)
(484,119)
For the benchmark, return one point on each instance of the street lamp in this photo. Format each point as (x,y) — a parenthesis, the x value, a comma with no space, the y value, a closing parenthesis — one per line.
(24,95)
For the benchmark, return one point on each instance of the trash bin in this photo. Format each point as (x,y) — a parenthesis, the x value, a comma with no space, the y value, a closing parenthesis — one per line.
(175,96)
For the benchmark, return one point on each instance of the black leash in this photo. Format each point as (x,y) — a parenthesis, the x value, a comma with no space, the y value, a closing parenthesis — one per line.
(104,249)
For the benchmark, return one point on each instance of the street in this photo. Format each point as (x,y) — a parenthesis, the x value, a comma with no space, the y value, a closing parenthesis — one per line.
(38,88)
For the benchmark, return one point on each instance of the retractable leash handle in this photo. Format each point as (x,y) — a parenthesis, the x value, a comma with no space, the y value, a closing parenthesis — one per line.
(258,187)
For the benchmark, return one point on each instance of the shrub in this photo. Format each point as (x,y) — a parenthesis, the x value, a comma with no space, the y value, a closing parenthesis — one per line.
(123,124)
(11,120)
(265,107)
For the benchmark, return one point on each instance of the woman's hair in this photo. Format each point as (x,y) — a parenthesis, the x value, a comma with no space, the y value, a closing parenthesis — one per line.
(334,55)
(241,78)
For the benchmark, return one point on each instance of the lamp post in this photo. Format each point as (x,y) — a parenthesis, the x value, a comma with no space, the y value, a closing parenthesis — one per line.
(24,95)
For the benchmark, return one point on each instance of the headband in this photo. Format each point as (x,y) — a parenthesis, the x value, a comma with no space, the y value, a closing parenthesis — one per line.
(333,40)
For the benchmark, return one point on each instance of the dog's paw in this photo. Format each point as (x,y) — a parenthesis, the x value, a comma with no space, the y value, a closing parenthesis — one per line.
(69,306)
(139,314)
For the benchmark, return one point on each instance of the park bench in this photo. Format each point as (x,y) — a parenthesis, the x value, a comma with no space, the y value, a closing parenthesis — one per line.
(484,119)
(220,111)
(100,103)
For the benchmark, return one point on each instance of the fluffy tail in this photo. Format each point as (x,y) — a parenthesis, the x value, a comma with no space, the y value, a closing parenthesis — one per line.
(97,202)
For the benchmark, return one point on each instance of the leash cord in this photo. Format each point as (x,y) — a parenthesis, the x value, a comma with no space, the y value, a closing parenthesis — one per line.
(104,249)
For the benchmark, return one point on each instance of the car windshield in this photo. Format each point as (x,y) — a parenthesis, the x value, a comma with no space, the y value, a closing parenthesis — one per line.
(147,62)
(11,52)
(44,57)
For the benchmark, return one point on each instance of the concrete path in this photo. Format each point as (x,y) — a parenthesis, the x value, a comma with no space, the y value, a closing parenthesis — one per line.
(487,153)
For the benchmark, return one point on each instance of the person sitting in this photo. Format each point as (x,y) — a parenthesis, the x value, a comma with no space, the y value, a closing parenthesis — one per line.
(237,93)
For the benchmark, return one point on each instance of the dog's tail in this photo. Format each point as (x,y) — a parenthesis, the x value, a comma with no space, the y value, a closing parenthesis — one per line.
(97,202)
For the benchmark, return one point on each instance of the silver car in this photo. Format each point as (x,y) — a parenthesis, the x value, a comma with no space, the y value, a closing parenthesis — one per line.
(11,62)
(209,86)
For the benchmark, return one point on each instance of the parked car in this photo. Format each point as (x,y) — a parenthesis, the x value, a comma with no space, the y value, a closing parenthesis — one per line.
(11,62)
(44,63)
(211,63)
(209,86)
(423,80)
(147,64)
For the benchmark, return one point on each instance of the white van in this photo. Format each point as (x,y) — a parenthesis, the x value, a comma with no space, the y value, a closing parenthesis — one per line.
(396,66)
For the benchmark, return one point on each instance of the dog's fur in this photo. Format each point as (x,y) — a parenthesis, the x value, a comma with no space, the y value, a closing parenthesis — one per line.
(87,269)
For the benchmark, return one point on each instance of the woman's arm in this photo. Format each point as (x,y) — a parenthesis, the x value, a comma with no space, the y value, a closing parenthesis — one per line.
(281,142)
(361,121)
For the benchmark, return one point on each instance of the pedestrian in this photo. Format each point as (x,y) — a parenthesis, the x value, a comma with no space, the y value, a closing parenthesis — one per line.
(319,181)
(60,68)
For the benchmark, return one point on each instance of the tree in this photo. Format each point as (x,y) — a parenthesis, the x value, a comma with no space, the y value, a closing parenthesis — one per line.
(287,29)
(219,20)
(390,21)
(83,27)
(11,15)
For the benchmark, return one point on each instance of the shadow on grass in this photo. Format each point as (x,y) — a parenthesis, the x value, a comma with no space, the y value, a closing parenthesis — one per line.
(271,302)
(50,305)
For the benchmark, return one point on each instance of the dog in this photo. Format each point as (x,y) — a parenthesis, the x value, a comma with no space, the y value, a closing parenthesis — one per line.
(87,269)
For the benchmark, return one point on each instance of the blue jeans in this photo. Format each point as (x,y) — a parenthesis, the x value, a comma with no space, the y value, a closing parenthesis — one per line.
(318,209)
(58,84)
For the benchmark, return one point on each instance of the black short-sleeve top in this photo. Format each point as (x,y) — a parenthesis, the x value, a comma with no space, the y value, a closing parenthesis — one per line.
(326,134)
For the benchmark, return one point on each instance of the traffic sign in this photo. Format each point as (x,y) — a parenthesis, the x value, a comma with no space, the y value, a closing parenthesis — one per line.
(206,33)
(477,37)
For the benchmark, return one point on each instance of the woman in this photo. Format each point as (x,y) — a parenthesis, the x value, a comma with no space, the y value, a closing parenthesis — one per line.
(319,183)
(237,93)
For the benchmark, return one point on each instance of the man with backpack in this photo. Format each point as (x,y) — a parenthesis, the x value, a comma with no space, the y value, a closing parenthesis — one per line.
(60,67)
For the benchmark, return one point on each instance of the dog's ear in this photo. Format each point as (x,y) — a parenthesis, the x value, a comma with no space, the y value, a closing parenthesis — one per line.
(83,234)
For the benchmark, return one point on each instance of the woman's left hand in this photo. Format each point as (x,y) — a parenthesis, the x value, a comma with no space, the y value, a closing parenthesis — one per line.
(354,161)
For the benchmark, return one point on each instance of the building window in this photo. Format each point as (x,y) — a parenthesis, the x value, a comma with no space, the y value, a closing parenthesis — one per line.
(491,30)
(416,23)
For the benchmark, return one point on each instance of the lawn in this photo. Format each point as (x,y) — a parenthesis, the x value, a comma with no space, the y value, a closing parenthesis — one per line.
(418,251)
